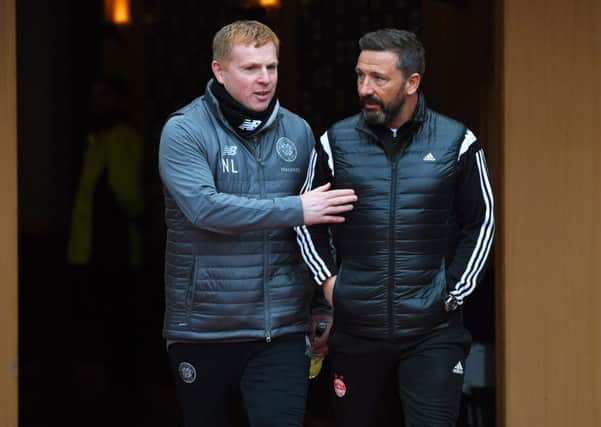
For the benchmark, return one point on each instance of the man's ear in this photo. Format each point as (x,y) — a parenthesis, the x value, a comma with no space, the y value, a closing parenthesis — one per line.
(218,70)
(412,83)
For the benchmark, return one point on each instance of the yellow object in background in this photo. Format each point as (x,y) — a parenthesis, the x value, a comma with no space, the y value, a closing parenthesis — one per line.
(317,359)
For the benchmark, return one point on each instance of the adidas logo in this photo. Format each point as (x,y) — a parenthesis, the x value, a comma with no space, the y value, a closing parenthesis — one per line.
(429,158)
(458,369)
(249,125)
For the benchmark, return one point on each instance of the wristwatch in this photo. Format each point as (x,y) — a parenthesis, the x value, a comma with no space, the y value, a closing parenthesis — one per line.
(451,303)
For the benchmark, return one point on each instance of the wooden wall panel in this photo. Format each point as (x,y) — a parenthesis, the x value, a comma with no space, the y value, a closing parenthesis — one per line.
(8,216)
(550,212)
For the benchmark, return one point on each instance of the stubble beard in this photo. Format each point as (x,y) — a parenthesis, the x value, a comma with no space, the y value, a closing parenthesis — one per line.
(384,115)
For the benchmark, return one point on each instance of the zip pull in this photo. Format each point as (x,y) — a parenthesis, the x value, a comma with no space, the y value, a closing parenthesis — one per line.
(268,338)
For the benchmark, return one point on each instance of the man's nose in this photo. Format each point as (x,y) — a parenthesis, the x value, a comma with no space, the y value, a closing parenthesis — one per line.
(264,76)
(364,87)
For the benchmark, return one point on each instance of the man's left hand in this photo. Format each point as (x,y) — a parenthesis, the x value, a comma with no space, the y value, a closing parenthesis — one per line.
(319,343)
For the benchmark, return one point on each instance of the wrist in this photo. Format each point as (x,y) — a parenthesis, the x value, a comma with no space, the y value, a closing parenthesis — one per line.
(451,303)
(329,281)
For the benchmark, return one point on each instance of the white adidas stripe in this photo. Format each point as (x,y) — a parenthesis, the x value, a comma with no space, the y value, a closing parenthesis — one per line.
(310,172)
(310,255)
(468,280)
(325,143)
(472,279)
(468,140)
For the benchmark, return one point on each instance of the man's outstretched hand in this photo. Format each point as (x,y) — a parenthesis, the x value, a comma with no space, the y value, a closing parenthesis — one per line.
(322,205)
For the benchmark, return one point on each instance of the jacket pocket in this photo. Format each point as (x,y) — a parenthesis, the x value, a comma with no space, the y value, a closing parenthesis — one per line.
(191,290)
(422,305)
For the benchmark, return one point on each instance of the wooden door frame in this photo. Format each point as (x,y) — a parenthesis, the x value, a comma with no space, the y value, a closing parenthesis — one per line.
(8,217)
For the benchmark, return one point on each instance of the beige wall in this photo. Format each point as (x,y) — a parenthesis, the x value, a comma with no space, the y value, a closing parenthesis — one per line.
(8,216)
(550,212)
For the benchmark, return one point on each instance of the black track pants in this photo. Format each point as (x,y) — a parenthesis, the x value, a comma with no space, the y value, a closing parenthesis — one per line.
(219,383)
(413,383)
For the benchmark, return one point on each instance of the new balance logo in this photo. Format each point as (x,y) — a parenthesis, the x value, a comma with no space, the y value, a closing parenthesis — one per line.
(429,158)
(230,150)
(249,125)
(458,369)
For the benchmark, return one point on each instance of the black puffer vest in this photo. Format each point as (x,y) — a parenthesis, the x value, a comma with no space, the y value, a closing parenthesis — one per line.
(394,244)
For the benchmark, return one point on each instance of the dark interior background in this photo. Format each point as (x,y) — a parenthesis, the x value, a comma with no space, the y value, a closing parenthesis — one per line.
(164,57)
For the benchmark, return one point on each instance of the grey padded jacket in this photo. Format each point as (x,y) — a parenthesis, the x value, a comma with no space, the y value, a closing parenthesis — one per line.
(233,271)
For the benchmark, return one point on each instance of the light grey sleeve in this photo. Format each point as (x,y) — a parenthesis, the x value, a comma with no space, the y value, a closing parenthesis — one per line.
(187,176)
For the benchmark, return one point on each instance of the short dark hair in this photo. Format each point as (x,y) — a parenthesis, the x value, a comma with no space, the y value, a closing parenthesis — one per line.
(411,52)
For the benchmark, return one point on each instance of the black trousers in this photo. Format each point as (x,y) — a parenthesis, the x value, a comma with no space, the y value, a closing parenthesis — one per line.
(254,383)
(413,383)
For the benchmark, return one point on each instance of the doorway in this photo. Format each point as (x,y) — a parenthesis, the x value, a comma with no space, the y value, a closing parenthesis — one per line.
(163,59)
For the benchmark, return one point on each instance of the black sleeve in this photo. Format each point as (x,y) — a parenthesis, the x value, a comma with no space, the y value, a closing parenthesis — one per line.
(314,241)
(475,219)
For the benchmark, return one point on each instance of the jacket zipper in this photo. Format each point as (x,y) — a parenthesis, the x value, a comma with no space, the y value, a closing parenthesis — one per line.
(266,246)
(258,153)
(391,253)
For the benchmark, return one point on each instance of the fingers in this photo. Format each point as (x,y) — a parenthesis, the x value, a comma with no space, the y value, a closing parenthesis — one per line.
(322,205)
(333,219)
(341,201)
(343,193)
(334,198)
(320,345)
(331,194)
(322,188)
(334,208)
(338,201)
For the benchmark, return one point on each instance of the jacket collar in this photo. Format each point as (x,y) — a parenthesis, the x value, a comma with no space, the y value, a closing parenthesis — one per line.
(213,105)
